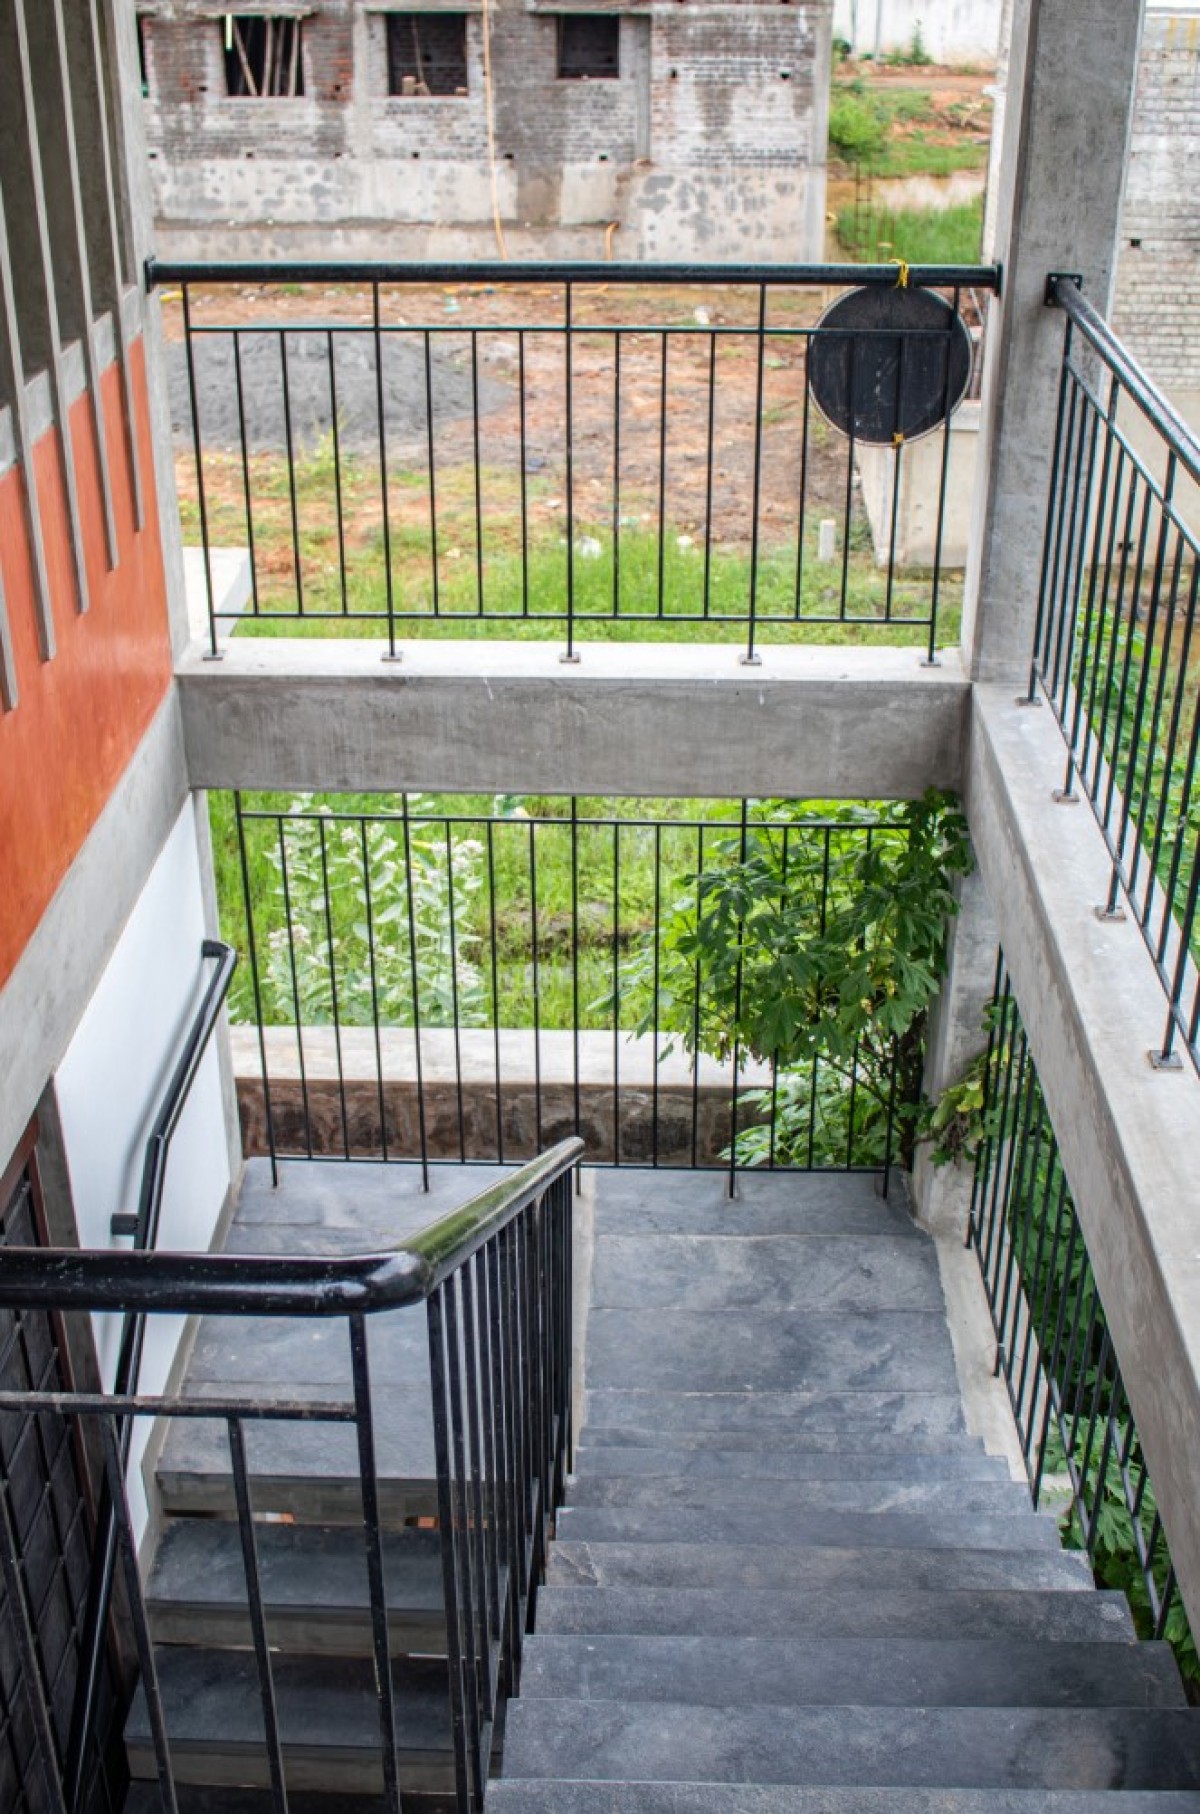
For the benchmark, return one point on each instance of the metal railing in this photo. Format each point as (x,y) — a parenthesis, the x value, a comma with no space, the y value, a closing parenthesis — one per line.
(1115,651)
(425,986)
(143,1226)
(495,1279)
(543,449)
(1054,1347)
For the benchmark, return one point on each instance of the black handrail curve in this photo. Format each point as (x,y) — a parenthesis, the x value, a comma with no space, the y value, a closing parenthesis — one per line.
(140,1280)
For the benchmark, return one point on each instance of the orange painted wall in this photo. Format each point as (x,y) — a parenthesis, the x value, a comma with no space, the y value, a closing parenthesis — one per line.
(79,717)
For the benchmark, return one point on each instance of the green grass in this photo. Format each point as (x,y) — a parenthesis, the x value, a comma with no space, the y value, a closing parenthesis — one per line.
(922,156)
(925,236)
(524,589)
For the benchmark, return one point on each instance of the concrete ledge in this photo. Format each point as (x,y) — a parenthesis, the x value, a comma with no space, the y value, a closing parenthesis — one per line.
(626,1100)
(1129,1135)
(631,718)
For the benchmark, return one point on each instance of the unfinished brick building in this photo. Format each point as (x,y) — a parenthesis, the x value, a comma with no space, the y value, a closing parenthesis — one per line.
(693,129)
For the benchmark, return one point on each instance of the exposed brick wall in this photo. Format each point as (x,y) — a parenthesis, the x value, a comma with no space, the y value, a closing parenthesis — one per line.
(710,142)
(1157,307)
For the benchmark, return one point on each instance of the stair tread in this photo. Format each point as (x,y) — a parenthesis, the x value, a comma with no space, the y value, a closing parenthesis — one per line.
(831,1670)
(672,1200)
(1048,1614)
(313,1580)
(569,1797)
(835,1410)
(736,1350)
(973,1747)
(851,1438)
(211,1699)
(667,1494)
(766,1273)
(328,1717)
(708,1460)
(773,1524)
(837,1565)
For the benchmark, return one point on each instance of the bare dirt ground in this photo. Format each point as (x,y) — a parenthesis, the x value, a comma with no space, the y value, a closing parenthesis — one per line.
(658,421)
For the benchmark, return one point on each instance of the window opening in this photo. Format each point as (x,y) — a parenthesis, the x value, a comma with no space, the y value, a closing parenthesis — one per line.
(589,47)
(427,53)
(143,58)
(262,56)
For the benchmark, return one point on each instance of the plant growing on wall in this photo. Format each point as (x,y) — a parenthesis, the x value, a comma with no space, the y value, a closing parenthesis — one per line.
(819,955)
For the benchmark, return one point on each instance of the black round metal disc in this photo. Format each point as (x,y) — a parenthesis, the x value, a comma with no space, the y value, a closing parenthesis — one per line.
(887,361)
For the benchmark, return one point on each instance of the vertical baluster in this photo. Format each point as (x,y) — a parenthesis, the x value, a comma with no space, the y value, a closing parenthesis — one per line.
(336,438)
(257,1613)
(364,1423)
(255,983)
(457,1646)
(127,1550)
(751,658)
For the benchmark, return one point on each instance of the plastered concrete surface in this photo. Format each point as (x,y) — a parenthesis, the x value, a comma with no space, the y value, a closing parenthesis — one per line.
(639,719)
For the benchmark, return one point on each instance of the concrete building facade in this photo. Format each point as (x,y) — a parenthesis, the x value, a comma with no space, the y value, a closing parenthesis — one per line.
(1157,308)
(646,131)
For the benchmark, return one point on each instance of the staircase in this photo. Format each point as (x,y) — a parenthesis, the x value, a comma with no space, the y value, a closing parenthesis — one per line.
(786,1577)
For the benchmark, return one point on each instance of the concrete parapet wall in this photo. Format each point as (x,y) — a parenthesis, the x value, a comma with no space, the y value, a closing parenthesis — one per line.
(631,1109)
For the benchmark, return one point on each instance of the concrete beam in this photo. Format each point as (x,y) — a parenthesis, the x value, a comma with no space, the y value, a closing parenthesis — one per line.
(46,994)
(649,719)
(1129,1135)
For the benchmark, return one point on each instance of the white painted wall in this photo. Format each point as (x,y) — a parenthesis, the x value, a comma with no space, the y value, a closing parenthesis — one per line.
(953,31)
(110,1083)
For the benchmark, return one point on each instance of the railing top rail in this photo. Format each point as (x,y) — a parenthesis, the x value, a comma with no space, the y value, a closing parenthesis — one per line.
(496,272)
(1064,292)
(277,1285)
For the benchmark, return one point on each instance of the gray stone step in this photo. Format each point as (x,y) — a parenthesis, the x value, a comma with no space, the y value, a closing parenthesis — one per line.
(853,1438)
(307,1471)
(768,1523)
(687,1202)
(832,1671)
(733,1351)
(710,1461)
(144,1798)
(726,1612)
(852,1416)
(328,1714)
(766,1272)
(828,1568)
(946,1748)
(314,1587)
(718,1498)
(509,1797)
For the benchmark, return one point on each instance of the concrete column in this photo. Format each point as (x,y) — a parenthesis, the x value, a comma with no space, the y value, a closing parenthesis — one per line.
(956,1036)
(1071,75)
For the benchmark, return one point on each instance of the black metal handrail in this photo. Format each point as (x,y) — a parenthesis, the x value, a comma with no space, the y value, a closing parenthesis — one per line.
(1115,648)
(231,1284)
(143,1226)
(495,1276)
(161,272)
